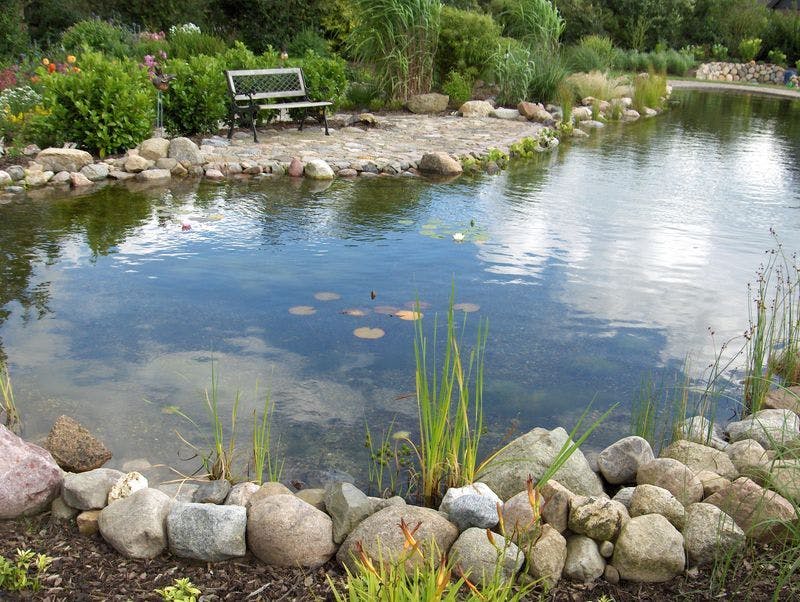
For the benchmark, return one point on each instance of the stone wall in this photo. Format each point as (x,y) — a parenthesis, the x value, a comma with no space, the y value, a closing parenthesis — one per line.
(752,72)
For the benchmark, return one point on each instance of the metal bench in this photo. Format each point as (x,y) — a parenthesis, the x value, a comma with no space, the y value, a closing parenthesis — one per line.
(254,90)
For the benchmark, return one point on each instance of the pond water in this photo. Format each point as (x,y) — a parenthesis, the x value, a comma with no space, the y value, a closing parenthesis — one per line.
(595,266)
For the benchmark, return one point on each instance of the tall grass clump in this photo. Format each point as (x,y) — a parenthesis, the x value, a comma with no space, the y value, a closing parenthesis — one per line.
(597,84)
(536,23)
(592,53)
(8,407)
(512,65)
(399,38)
(649,91)
(547,73)
(265,458)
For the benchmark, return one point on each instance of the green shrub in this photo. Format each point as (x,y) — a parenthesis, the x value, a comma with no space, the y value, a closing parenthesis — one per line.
(593,53)
(648,91)
(458,88)
(197,100)
(308,39)
(466,42)
(719,52)
(679,62)
(106,107)
(240,56)
(657,62)
(512,65)
(144,47)
(325,77)
(749,49)
(777,57)
(640,24)
(582,18)
(537,23)
(547,72)
(783,31)
(99,36)
(364,92)
(185,44)
(13,33)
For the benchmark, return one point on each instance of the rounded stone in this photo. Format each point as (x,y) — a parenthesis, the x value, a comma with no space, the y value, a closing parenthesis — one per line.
(619,462)
(673,476)
(480,553)
(649,549)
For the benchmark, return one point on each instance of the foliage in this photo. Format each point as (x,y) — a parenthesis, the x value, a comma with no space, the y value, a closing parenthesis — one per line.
(777,57)
(738,20)
(8,408)
(466,41)
(666,61)
(783,32)
(308,39)
(105,106)
(13,31)
(582,18)
(719,52)
(547,72)
(593,53)
(99,36)
(399,38)
(264,454)
(749,49)
(530,145)
(512,65)
(458,88)
(390,459)
(364,91)
(537,23)
(23,572)
(337,18)
(640,24)
(596,84)
(325,78)
(187,43)
(649,90)
(182,590)
(197,99)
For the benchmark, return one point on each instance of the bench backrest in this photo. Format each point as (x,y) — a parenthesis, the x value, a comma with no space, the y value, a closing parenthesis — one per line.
(265,83)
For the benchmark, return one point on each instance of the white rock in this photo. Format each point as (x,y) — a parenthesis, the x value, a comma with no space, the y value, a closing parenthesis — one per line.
(125,486)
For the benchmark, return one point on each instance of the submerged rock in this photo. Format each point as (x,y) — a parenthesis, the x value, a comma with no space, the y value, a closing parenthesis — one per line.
(74,448)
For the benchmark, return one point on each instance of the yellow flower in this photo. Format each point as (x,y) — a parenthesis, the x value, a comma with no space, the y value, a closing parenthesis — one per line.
(70,58)
(45,61)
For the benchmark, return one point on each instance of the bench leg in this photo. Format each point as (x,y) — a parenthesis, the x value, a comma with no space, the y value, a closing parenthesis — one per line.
(303,120)
(254,116)
(325,119)
(230,125)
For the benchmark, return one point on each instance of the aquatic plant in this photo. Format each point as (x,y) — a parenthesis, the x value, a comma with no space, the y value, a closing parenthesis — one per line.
(389,461)
(8,408)
(264,454)
(649,91)
(595,84)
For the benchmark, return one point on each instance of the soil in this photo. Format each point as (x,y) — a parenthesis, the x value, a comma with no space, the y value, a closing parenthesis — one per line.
(85,568)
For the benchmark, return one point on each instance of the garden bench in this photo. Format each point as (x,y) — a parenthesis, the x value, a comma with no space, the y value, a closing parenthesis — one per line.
(254,90)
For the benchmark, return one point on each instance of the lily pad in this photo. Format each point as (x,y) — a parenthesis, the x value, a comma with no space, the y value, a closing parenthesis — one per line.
(466,307)
(365,332)
(387,310)
(355,312)
(302,310)
(407,314)
(327,296)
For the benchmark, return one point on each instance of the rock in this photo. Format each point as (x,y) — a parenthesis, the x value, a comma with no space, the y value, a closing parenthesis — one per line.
(784,477)
(649,549)
(709,534)
(78,180)
(547,556)
(74,448)
(5,178)
(30,150)
(428,103)
(149,175)
(116,174)
(579,133)
(475,108)
(126,486)
(439,164)
(749,458)
(207,532)
(179,492)
(478,488)
(232,168)
(630,114)
(600,519)
(787,398)
(136,163)
(214,174)
(95,171)
(650,499)
(295,168)
(769,427)
(135,526)
(154,149)
(381,537)
(347,506)
(183,149)
(62,177)
(583,563)
(347,173)
(648,112)
(624,495)
(268,489)
(760,513)
(212,492)
(60,511)
(534,112)
(557,500)
(480,557)
(316,497)
(504,113)
(241,493)
(712,482)
(34,178)
(701,457)
(17,172)
(63,159)
(473,510)
(591,124)
(179,170)
(611,574)
(283,530)
(619,462)
(88,522)
(581,113)
(29,477)
(531,454)
(606,549)
(673,476)
(89,490)
(317,169)
(167,163)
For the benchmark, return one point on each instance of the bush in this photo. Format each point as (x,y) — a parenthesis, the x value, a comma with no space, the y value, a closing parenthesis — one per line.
(325,77)
(13,33)
(593,53)
(648,91)
(783,31)
(537,23)
(749,49)
(458,88)
(679,62)
(466,42)
(512,65)
(582,18)
(739,20)
(99,36)
(595,84)
(640,24)
(547,72)
(364,92)
(18,106)
(719,52)
(186,43)
(308,39)
(197,100)
(777,57)
(106,107)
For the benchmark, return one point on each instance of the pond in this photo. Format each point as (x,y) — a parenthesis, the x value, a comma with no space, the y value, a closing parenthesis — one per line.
(595,266)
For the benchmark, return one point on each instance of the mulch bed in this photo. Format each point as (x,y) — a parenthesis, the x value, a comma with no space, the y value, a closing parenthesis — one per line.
(86,568)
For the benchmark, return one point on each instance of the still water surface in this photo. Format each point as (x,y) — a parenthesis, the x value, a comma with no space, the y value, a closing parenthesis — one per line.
(595,266)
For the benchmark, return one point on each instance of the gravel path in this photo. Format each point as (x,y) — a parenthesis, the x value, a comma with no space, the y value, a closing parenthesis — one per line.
(699,84)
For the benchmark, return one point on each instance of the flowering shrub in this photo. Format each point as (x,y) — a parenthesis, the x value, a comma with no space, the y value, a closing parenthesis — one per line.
(189,28)
(150,36)
(8,78)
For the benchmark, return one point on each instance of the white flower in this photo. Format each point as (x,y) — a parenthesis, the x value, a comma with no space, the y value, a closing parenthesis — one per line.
(458,236)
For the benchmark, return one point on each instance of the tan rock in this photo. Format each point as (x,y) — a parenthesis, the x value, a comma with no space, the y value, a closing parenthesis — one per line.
(88,522)
(74,448)
(674,476)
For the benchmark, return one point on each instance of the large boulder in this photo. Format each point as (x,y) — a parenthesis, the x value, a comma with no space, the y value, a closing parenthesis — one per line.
(770,428)
(29,477)
(701,457)
(619,462)
(283,530)
(184,150)
(476,108)
(212,492)
(347,506)
(95,172)
(547,556)
(241,493)
(784,477)
(453,493)
(135,526)
(674,476)
(534,112)
(709,533)
(760,513)
(63,159)
(519,519)
(74,448)
(601,519)
(750,458)
(428,103)
(206,532)
(381,537)
(440,164)
(481,557)
(127,486)
(650,499)
(786,398)
(584,562)
(317,169)
(532,454)
(154,148)
(89,490)
(649,549)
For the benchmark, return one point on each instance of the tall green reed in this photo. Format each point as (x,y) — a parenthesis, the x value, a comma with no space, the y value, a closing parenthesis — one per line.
(265,457)
(8,407)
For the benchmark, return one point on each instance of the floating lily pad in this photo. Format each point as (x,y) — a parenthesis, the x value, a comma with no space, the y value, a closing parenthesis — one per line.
(385,309)
(466,307)
(327,296)
(355,312)
(302,310)
(406,314)
(215,217)
(365,332)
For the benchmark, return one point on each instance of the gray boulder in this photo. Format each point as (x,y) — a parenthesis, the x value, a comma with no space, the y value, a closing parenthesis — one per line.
(283,530)
(619,462)
(150,175)
(179,492)
(546,557)
(749,457)
(709,534)
(317,169)
(89,490)
(584,562)
(74,448)
(601,519)
(770,428)
(135,526)
(650,499)
(63,159)
(530,455)
(673,476)
(477,488)
(428,103)
(240,494)
(347,506)
(154,148)
(206,532)
(29,477)
(480,557)
(700,430)
(183,149)
(136,163)
(712,482)
(316,497)
(211,492)
(701,457)
(504,113)
(624,495)
(5,178)
(473,511)
(649,549)
(95,172)
(439,164)
(17,172)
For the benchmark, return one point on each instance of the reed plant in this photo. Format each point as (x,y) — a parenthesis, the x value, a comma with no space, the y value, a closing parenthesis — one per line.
(389,461)
(265,457)
(513,66)
(649,91)
(8,407)
(399,38)
(597,84)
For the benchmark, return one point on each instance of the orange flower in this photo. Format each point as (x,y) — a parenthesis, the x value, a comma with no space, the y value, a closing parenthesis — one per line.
(51,67)
(76,70)
(70,58)
(45,62)
(35,79)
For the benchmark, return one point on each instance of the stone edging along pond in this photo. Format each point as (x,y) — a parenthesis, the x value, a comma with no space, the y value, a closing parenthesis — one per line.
(629,516)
